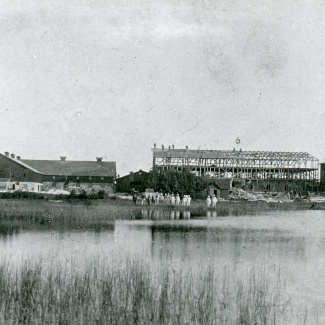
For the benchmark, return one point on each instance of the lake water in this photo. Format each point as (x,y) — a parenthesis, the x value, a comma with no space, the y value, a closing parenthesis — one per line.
(289,240)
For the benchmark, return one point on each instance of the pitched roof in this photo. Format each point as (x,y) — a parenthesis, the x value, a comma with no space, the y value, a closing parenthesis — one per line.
(139,172)
(20,162)
(72,168)
(222,184)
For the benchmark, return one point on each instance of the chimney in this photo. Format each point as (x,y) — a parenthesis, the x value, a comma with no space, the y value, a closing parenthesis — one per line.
(18,157)
(63,158)
(99,159)
(12,156)
(7,154)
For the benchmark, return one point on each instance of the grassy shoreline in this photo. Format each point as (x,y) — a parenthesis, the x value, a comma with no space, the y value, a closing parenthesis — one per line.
(78,211)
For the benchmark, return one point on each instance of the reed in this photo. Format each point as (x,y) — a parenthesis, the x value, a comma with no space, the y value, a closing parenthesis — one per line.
(83,212)
(134,292)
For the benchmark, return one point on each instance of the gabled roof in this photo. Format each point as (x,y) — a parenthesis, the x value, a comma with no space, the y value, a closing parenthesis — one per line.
(222,184)
(72,168)
(20,162)
(139,172)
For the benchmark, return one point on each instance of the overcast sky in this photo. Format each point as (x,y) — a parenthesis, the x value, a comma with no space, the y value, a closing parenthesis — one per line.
(110,78)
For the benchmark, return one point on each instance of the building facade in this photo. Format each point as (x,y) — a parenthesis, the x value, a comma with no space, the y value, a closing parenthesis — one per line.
(250,170)
(134,181)
(39,175)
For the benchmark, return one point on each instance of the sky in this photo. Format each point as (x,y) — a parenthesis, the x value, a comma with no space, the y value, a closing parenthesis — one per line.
(95,78)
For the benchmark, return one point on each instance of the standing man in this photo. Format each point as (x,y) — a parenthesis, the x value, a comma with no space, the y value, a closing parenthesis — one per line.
(214,201)
(178,199)
(134,197)
(208,202)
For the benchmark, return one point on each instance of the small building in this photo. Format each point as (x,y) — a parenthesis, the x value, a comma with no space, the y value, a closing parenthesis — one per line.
(38,175)
(219,187)
(134,181)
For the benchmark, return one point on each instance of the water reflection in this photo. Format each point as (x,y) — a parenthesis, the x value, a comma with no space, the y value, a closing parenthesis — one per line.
(164,214)
(211,214)
(175,237)
(224,245)
(8,231)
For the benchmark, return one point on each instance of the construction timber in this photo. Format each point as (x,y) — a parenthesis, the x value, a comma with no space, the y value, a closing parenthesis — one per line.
(260,170)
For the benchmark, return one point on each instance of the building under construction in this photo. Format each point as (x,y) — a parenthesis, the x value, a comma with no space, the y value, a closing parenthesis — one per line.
(251,170)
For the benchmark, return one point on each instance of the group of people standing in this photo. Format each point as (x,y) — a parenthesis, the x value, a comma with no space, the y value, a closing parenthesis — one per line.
(160,198)
(211,201)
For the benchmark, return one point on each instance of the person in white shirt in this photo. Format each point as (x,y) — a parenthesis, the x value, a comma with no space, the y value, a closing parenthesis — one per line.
(214,201)
(178,199)
(208,201)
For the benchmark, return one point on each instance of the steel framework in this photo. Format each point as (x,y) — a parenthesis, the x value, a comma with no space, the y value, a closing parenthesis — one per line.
(249,165)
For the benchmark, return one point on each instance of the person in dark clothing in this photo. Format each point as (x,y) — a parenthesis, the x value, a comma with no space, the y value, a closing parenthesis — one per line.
(134,197)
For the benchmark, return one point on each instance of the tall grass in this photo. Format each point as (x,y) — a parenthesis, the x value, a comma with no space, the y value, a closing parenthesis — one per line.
(47,212)
(133,292)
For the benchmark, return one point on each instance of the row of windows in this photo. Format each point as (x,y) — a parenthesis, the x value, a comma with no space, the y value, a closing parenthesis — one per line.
(78,177)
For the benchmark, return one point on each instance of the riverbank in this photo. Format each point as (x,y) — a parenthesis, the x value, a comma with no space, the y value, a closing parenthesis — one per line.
(79,211)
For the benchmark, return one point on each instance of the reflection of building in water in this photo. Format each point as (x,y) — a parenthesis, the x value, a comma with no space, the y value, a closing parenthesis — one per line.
(224,245)
(161,214)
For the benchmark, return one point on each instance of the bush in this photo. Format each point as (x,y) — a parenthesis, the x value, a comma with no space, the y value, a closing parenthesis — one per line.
(74,195)
(21,195)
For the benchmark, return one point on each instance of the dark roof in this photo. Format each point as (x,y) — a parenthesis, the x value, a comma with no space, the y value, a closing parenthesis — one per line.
(71,168)
(19,162)
(139,172)
(222,184)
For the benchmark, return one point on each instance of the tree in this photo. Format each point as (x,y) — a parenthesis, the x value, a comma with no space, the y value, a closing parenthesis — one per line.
(182,182)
